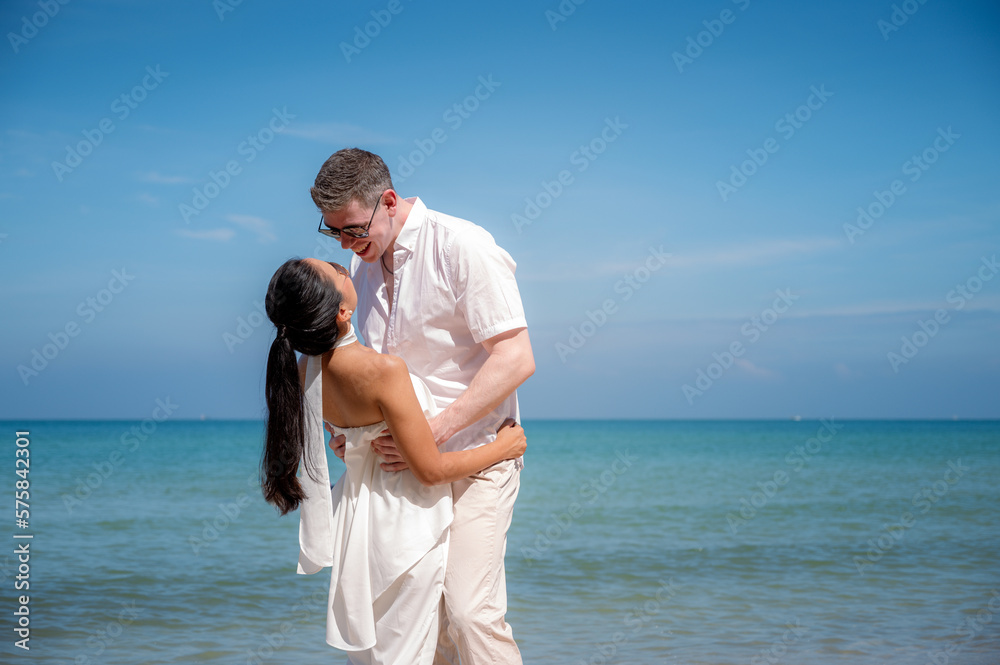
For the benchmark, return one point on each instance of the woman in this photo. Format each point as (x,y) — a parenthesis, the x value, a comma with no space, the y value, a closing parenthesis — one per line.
(384,534)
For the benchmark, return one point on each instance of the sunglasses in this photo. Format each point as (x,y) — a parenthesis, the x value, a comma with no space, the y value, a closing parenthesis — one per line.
(353,231)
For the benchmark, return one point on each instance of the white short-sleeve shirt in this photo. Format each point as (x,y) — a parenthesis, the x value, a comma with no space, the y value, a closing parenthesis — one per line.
(453,288)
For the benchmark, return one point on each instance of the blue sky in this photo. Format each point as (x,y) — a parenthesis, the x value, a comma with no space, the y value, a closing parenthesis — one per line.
(673,182)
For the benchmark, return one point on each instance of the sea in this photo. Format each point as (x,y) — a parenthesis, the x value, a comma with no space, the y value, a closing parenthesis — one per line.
(649,542)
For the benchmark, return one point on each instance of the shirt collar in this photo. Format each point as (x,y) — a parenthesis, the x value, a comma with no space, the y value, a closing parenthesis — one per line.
(407,238)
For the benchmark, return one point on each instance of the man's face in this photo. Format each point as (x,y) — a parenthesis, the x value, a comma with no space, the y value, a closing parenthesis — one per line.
(358,215)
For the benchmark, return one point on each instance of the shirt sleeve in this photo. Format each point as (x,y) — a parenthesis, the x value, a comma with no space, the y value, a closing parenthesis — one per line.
(485,288)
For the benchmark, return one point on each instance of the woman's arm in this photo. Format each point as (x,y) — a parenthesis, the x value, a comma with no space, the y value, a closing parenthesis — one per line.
(415,442)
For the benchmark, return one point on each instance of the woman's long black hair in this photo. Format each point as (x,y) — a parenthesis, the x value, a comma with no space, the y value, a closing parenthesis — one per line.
(303,304)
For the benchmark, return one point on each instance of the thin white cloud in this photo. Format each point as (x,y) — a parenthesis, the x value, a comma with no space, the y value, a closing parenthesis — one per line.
(757,253)
(980,302)
(221,235)
(23,173)
(722,258)
(337,133)
(845,372)
(22,134)
(147,198)
(160,179)
(752,369)
(260,227)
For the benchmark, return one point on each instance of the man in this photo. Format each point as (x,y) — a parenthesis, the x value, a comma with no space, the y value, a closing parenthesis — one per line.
(438,292)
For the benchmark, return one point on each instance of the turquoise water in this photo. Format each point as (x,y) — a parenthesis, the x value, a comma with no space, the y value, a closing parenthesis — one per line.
(858,542)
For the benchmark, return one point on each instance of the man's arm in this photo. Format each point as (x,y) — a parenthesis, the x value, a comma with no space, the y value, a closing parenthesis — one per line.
(509,364)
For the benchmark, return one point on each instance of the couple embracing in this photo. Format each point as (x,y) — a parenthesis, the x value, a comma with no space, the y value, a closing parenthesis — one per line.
(424,417)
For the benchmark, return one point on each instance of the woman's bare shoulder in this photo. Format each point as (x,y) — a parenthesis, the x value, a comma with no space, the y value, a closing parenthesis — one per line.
(374,373)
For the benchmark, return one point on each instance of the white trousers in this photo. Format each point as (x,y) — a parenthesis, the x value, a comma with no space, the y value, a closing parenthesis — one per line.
(472,623)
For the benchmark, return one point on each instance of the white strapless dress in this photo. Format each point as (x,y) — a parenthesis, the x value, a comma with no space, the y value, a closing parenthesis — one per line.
(385,537)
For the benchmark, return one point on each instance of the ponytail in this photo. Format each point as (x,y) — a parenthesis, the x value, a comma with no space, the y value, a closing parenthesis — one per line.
(304,306)
(285,437)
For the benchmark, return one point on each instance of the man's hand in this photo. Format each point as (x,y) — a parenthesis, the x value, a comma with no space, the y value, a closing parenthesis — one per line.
(385,448)
(338,442)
